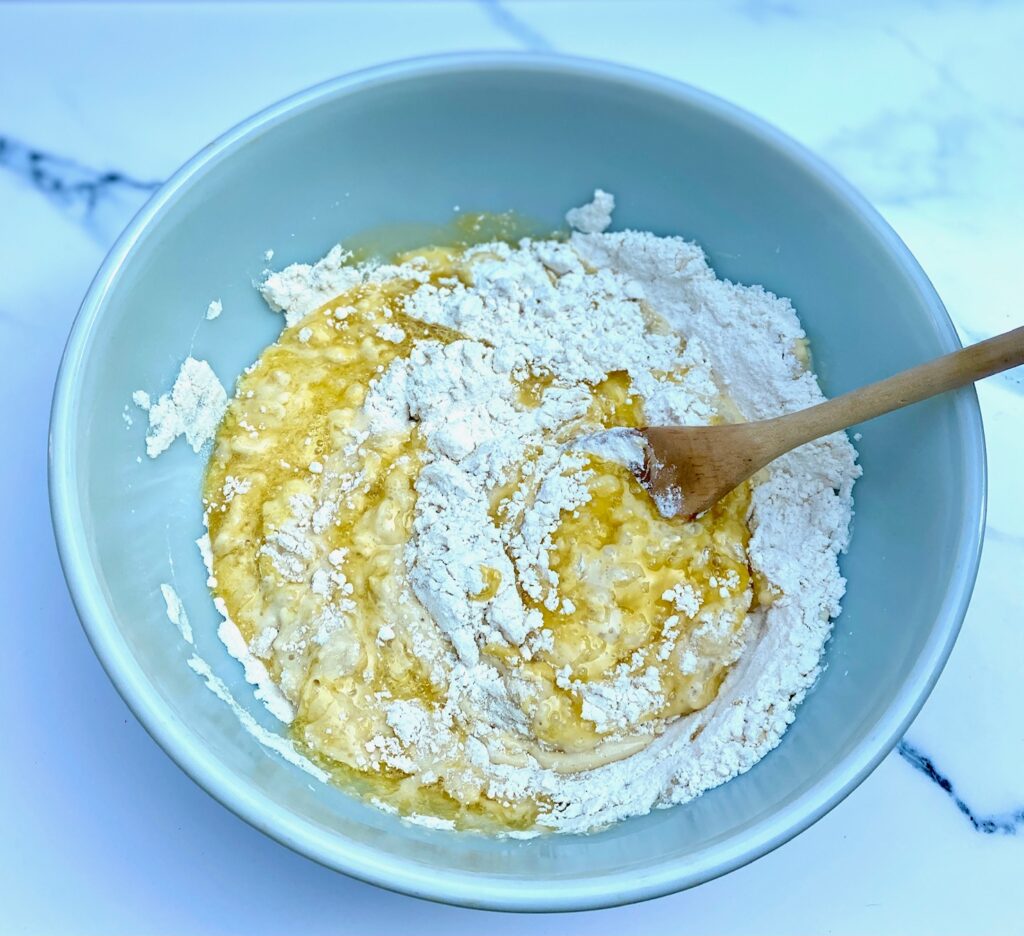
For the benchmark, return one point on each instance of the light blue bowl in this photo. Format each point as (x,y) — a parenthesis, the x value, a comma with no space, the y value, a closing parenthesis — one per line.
(405,143)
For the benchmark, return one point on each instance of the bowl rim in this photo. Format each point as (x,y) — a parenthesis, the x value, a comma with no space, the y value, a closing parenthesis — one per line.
(487,891)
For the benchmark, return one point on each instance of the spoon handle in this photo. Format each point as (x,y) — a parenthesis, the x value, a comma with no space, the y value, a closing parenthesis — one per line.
(910,386)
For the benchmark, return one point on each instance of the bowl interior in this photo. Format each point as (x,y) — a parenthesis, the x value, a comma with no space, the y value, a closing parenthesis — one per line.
(407,144)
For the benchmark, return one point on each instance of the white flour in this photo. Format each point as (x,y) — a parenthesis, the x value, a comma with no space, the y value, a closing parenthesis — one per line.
(594,217)
(269,739)
(193,408)
(579,310)
(176,612)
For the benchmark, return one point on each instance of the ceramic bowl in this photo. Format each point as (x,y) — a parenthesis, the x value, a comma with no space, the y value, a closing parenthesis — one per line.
(404,144)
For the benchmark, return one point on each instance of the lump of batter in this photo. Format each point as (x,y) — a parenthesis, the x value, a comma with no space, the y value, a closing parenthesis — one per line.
(476,613)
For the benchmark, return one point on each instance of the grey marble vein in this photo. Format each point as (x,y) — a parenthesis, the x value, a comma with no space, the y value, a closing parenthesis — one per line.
(103,199)
(9,319)
(999,824)
(902,157)
(915,153)
(63,180)
(940,69)
(1012,537)
(515,27)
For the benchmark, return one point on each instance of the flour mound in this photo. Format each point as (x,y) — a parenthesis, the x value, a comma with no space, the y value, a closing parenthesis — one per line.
(193,408)
(594,217)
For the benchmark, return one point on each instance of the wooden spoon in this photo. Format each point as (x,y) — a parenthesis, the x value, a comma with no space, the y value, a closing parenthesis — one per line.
(689,469)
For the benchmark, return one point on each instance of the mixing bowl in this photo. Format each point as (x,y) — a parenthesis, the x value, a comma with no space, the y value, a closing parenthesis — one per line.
(403,144)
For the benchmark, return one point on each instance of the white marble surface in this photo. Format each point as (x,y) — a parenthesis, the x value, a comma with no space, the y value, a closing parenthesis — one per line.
(919,104)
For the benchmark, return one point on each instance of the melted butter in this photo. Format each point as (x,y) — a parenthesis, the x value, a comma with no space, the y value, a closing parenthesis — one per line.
(401,241)
(531,389)
(615,404)
(615,557)
(492,582)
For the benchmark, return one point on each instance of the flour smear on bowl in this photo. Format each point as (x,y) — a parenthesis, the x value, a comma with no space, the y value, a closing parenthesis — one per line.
(450,585)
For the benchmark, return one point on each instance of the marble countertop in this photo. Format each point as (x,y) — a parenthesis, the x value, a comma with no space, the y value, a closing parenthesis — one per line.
(917,103)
